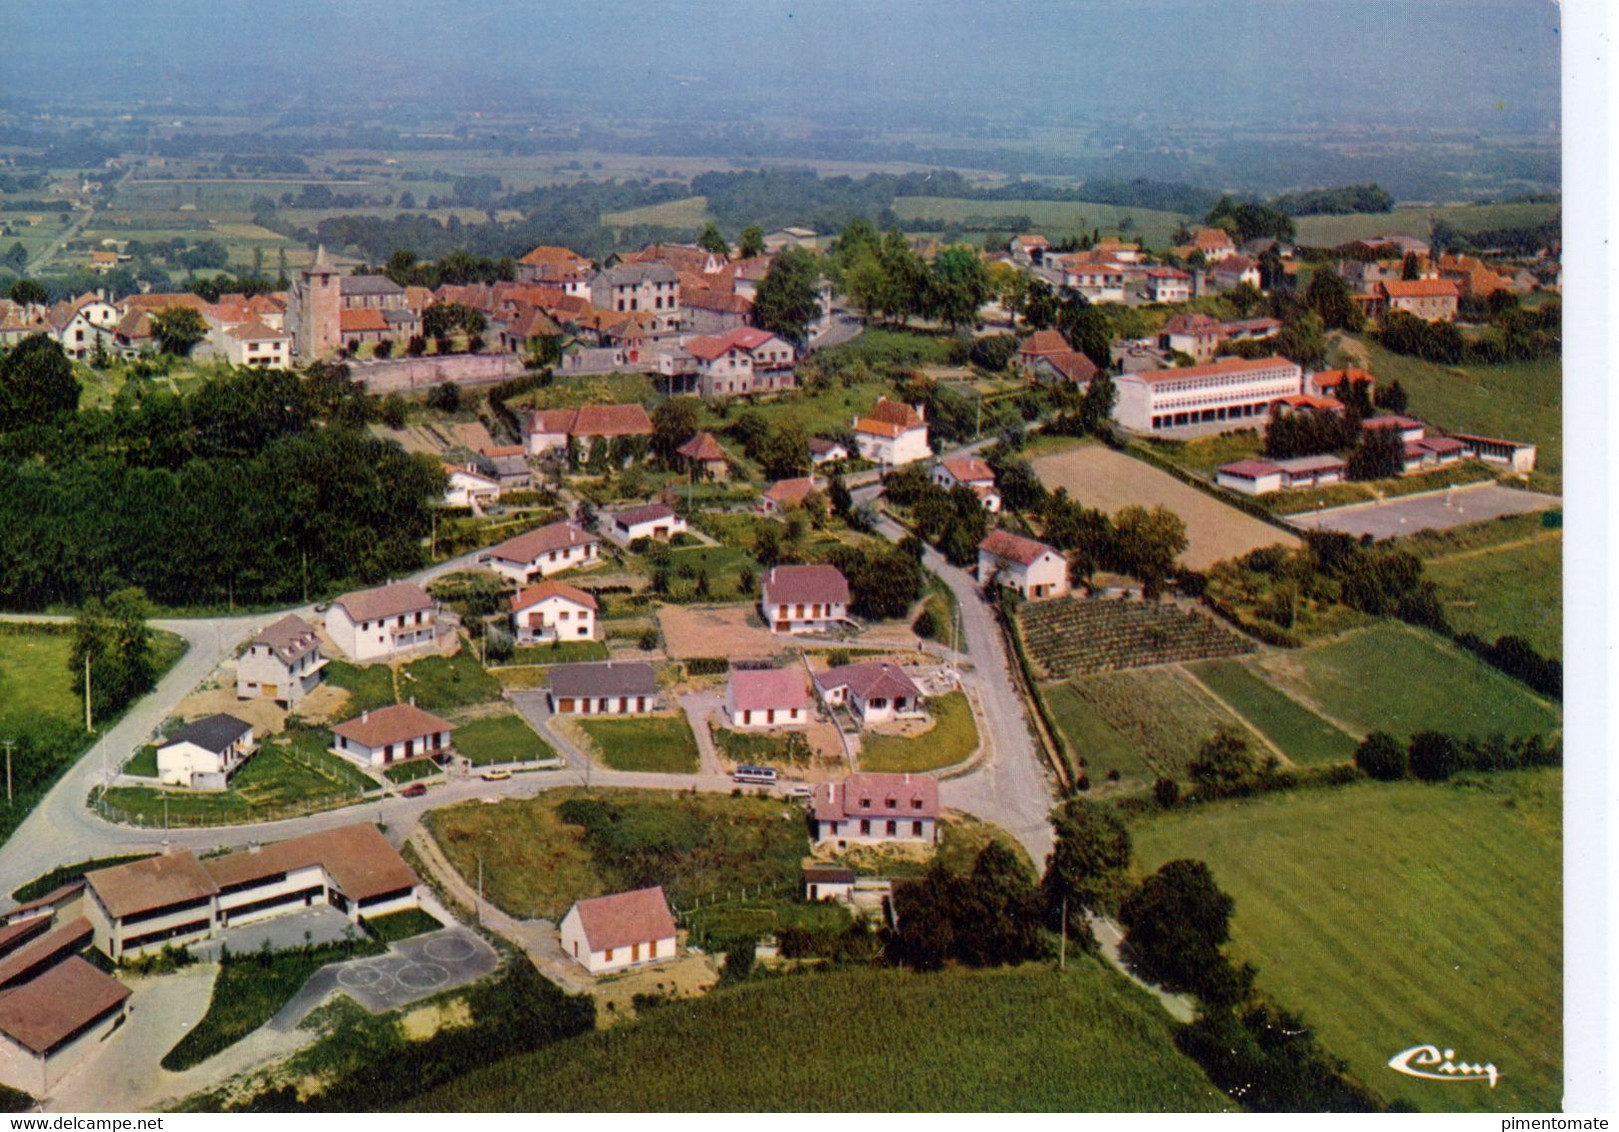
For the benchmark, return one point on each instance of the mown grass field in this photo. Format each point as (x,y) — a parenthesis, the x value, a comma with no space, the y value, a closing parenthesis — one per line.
(1159,712)
(1303,735)
(1392,677)
(1513,401)
(691,212)
(1512,589)
(662,744)
(1410,914)
(951,739)
(1052,218)
(1329,231)
(699,846)
(1025,1039)
(34,677)
(501,739)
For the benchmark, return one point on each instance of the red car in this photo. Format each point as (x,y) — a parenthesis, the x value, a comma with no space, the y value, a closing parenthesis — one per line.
(414,790)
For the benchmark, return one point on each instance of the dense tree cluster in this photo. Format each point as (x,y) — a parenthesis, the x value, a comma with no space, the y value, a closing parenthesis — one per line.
(1335,202)
(787,299)
(260,486)
(884,580)
(988,918)
(1246,220)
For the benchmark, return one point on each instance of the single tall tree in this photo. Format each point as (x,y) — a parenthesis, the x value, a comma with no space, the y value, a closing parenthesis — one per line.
(178,329)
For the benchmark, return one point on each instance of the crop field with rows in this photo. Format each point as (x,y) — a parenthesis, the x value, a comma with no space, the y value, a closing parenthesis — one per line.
(1076,636)
(1162,714)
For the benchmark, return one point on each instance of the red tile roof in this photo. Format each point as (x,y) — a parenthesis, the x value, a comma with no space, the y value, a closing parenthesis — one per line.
(43,1013)
(895,412)
(357,856)
(1045,342)
(1220,368)
(785,492)
(870,678)
(530,545)
(792,585)
(1014,548)
(1419,289)
(868,795)
(760,689)
(702,447)
(362,319)
(647,513)
(393,724)
(155,882)
(533,595)
(967,469)
(384,601)
(612,420)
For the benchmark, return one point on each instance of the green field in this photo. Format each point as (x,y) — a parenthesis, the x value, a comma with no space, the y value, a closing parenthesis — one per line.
(369,688)
(661,744)
(442,683)
(1409,914)
(1392,677)
(1055,219)
(1159,712)
(1515,589)
(1091,739)
(560,652)
(699,846)
(1514,401)
(691,212)
(1304,736)
(1024,1039)
(752,748)
(34,676)
(501,739)
(1330,231)
(951,739)
(724,566)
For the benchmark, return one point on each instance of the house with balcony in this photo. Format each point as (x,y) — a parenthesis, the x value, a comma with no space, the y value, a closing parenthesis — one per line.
(383,623)
(552,611)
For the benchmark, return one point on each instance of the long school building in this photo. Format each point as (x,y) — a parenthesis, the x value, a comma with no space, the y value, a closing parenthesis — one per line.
(1233,389)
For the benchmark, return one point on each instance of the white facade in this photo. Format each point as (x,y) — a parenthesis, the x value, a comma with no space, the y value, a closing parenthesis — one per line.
(385,754)
(804,616)
(1234,390)
(604,705)
(1166,288)
(261,673)
(1256,483)
(665,526)
(554,618)
(894,448)
(545,562)
(1046,576)
(468,488)
(188,765)
(381,638)
(37,1074)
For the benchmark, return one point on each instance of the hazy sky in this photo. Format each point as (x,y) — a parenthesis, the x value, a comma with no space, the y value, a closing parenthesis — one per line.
(1474,63)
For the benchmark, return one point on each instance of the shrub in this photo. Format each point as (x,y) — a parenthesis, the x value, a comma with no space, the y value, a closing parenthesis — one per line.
(926,624)
(1380,756)
(445,397)
(1434,756)
(1166,792)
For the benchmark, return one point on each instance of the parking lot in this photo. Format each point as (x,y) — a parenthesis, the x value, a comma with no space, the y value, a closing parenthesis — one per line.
(1437,511)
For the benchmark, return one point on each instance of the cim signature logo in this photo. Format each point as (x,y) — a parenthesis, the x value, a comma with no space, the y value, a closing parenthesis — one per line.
(1432,1064)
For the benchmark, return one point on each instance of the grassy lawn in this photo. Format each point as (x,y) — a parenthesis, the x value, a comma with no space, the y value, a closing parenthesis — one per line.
(1303,735)
(1514,401)
(1409,914)
(661,744)
(1206,453)
(442,683)
(1021,1039)
(1394,678)
(755,749)
(247,994)
(724,565)
(940,600)
(501,739)
(144,763)
(823,413)
(1515,590)
(560,652)
(1090,738)
(400,925)
(952,738)
(1159,712)
(369,688)
(287,777)
(401,773)
(762,918)
(698,846)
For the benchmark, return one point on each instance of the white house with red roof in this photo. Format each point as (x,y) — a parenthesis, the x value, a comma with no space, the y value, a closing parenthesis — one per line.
(875,691)
(391,734)
(804,599)
(1098,282)
(740,361)
(468,487)
(784,495)
(893,434)
(382,623)
(651,520)
(1028,249)
(548,430)
(1432,300)
(972,473)
(865,808)
(553,611)
(1168,285)
(1234,270)
(547,550)
(766,697)
(1032,568)
(609,933)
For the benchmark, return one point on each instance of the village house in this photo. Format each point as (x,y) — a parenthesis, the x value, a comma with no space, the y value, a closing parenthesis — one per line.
(255,344)
(606,688)
(972,473)
(1231,389)
(282,663)
(654,520)
(1028,250)
(804,599)
(391,734)
(1199,336)
(1234,270)
(893,434)
(1335,382)
(176,899)
(741,361)
(205,753)
(632,287)
(547,550)
(507,465)
(551,430)
(823,451)
(828,882)
(866,808)
(1214,243)
(1031,568)
(1168,285)
(766,697)
(552,611)
(468,487)
(784,495)
(1432,300)
(875,692)
(609,933)
(560,267)
(704,457)
(1098,282)
(382,623)
(371,292)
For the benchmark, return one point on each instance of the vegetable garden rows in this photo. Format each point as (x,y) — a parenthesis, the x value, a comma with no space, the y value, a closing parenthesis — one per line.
(1077,636)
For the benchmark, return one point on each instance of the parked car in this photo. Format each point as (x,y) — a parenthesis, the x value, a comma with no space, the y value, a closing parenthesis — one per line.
(496,775)
(414,790)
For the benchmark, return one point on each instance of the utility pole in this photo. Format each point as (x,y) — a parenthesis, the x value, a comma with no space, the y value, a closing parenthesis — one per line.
(88,726)
(306,576)
(1062,951)
(8,745)
(480,892)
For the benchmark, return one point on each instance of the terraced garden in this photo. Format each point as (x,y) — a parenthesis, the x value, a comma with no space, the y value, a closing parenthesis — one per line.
(1078,636)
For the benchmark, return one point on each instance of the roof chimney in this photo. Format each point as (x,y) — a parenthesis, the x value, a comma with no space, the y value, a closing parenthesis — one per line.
(365,715)
(413,701)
